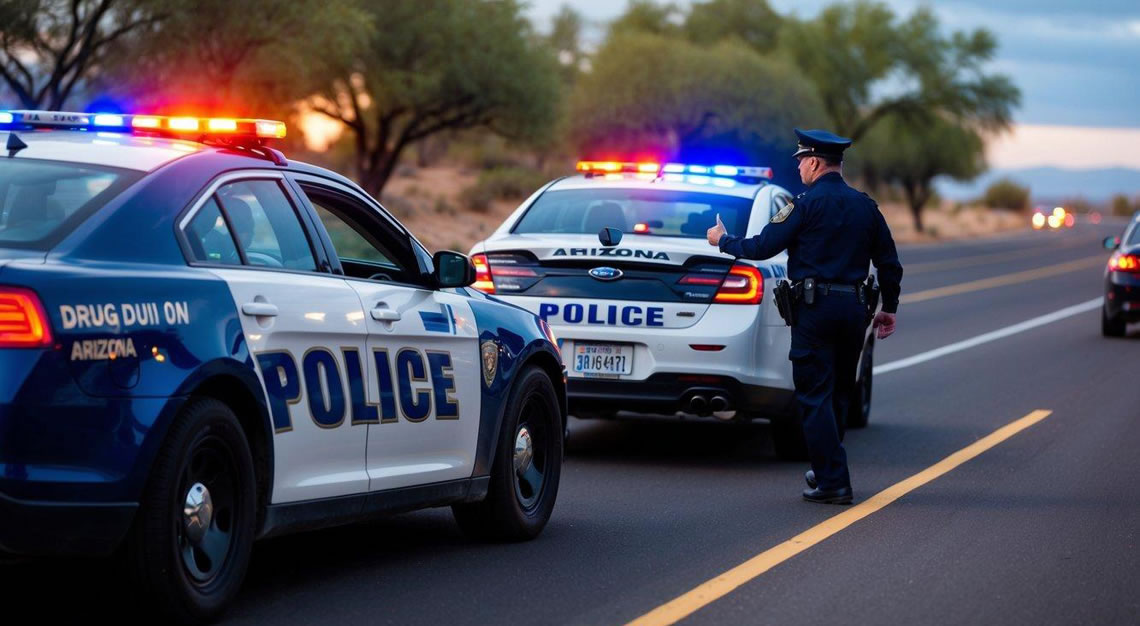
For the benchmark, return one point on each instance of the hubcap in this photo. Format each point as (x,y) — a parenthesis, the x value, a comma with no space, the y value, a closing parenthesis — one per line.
(524,451)
(197,512)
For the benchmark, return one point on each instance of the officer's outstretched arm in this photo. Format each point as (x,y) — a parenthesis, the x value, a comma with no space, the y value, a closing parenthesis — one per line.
(886,260)
(773,239)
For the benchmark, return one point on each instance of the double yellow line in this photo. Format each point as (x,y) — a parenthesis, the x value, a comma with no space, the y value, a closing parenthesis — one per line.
(712,590)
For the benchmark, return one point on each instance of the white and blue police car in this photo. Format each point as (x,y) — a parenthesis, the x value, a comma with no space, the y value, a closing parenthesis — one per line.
(204,343)
(661,322)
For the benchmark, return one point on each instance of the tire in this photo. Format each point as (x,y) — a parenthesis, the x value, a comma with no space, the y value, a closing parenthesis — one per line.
(1110,327)
(172,566)
(788,438)
(520,499)
(859,408)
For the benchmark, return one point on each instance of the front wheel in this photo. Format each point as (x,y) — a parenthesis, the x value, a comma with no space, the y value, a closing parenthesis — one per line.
(526,469)
(192,539)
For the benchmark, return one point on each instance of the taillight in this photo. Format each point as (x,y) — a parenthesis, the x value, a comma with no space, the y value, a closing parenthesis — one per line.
(743,285)
(23,323)
(483,281)
(1124,263)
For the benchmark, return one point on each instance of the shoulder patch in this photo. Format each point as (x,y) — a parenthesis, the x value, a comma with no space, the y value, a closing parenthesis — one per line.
(784,213)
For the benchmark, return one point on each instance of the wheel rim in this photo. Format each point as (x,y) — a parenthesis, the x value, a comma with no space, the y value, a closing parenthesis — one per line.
(206,525)
(530,454)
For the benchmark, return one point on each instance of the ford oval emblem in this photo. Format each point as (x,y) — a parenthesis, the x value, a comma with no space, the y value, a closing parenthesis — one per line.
(606,273)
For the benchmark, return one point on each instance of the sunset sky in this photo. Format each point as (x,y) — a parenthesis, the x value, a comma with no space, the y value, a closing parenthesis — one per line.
(1075,62)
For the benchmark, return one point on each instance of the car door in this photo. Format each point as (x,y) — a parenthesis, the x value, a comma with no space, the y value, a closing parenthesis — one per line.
(423,384)
(303,329)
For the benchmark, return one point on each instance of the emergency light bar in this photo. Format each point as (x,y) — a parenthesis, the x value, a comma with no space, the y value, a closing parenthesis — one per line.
(187,127)
(672,170)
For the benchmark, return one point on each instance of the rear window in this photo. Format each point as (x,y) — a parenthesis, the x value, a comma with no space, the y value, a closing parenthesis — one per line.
(41,201)
(644,211)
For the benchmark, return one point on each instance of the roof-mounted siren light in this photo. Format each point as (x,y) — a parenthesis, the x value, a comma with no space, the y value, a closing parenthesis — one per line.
(701,174)
(178,126)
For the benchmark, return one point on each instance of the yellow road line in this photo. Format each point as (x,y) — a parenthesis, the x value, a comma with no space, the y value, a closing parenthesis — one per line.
(1003,280)
(712,590)
(981,259)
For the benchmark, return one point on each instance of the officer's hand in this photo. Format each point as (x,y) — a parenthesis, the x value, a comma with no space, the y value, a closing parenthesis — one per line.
(885,323)
(716,232)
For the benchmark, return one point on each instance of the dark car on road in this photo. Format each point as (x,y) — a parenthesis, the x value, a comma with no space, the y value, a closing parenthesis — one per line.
(1122,281)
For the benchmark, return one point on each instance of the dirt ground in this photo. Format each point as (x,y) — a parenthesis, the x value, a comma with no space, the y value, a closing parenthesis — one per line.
(428,201)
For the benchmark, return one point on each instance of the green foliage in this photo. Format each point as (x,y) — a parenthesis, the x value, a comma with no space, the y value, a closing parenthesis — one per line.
(1006,194)
(648,16)
(898,152)
(753,22)
(1121,206)
(435,65)
(689,96)
(850,51)
(253,59)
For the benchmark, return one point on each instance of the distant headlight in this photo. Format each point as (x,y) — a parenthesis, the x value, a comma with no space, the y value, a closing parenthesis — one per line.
(1038,221)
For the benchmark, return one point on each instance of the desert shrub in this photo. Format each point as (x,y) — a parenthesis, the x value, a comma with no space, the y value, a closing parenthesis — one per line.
(1006,194)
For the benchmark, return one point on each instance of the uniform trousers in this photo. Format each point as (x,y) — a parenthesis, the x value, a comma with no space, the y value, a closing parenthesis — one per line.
(826,342)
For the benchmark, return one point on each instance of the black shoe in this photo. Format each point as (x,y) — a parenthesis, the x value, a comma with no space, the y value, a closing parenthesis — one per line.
(828,496)
(809,476)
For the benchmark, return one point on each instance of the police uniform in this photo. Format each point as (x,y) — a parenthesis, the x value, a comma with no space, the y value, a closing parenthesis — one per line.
(832,233)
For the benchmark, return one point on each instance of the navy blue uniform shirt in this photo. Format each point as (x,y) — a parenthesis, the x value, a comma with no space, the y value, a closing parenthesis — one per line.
(832,234)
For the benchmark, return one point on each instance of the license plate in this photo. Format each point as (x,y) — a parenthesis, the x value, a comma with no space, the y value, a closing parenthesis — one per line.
(602,360)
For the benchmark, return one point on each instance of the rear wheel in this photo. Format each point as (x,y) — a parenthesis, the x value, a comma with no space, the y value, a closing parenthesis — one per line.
(859,408)
(190,547)
(1109,326)
(526,469)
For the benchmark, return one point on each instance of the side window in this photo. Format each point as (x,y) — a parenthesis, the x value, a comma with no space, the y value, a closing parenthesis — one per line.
(210,238)
(265,225)
(365,243)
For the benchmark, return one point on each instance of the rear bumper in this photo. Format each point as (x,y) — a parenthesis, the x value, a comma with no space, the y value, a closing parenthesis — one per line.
(62,529)
(668,393)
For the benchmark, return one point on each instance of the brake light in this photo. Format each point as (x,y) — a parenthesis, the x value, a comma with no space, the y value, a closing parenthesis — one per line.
(23,323)
(704,280)
(1124,263)
(743,285)
(518,272)
(483,281)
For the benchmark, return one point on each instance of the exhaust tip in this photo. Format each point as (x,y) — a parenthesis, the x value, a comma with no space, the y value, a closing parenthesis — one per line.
(718,403)
(698,404)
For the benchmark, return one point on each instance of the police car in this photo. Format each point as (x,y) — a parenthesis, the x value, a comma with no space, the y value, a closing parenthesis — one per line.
(653,319)
(204,343)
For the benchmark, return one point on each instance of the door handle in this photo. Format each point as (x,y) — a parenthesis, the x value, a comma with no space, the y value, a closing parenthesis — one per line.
(385,315)
(259,309)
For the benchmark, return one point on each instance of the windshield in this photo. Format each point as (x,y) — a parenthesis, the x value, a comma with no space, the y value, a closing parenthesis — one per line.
(41,201)
(642,211)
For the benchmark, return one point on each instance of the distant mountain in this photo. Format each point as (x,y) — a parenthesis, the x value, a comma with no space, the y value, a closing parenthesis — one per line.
(1052,183)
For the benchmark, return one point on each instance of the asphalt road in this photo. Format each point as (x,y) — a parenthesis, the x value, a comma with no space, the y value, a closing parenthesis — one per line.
(1042,528)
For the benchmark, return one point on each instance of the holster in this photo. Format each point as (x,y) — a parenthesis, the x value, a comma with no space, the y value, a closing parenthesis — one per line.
(785,296)
(868,294)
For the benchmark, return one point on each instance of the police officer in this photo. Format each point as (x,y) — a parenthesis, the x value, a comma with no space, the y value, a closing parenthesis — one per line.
(832,233)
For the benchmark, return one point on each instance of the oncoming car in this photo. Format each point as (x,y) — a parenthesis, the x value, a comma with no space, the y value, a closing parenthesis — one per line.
(204,343)
(661,322)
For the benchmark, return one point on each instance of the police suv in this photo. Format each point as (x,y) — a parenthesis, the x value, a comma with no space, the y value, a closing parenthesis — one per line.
(657,320)
(204,343)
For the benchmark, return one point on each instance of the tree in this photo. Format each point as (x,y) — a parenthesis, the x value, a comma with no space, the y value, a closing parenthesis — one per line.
(436,65)
(49,47)
(647,16)
(566,40)
(1006,194)
(725,102)
(867,65)
(1120,205)
(751,21)
(911,156)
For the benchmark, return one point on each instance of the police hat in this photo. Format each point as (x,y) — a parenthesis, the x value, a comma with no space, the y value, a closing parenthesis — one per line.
(820,143)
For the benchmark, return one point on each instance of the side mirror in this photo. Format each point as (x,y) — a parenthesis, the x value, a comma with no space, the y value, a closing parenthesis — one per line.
(609,237)
(452,269)
(1111,243)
